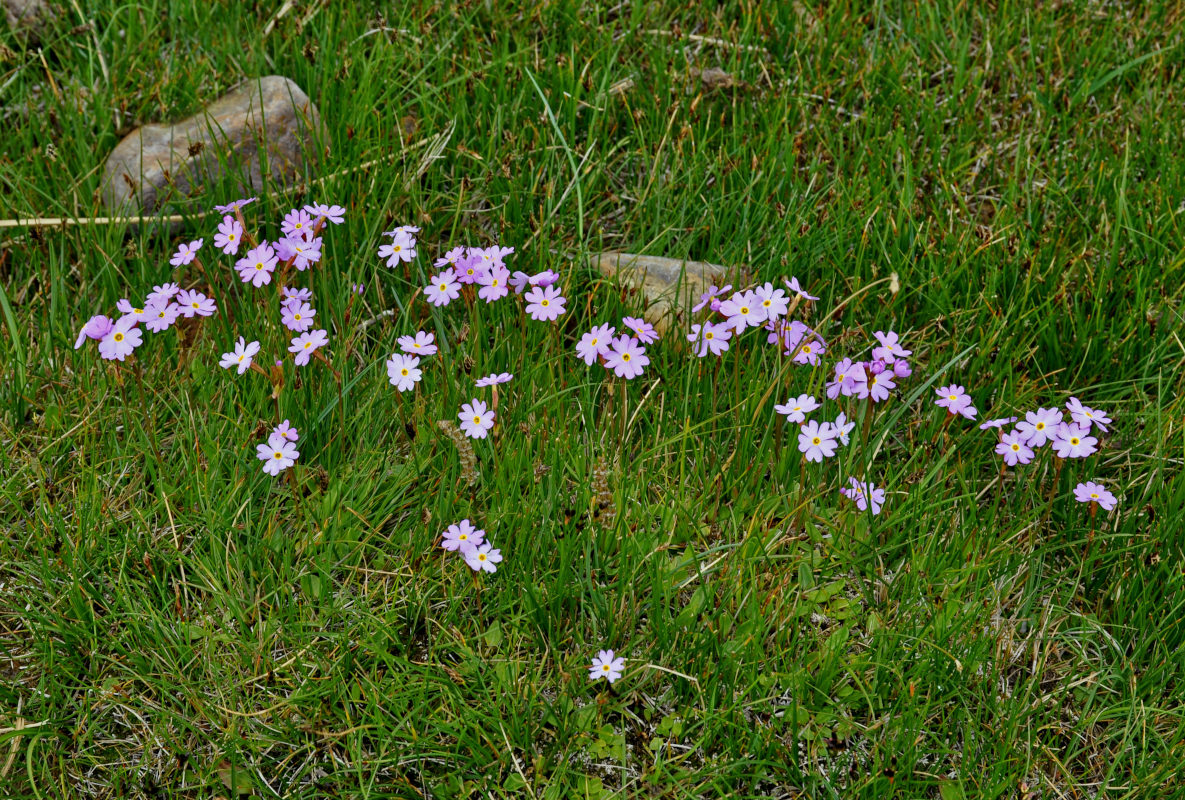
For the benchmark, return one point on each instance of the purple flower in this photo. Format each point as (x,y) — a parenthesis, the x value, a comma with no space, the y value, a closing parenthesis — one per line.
(306,344)
(186,252)
(161,316)
(296,224)
(241,356)
(1090,492)
(357,288)
(1039,426)
(626,357)
(809,351)
(235,204)
(462,536)
(229,236)
(544,304)
(793,286)
(774,301)
(643,330)
(476,419)
(442,289)
(710,297)
(796,408)
(864,493)
(743,310)
(451,259)
(335,214)
(955,400)
(285,431)
(297,316)
(277,456)
(162,293)
(842,428)
(595,343)
(195,304)
(482,558)
(469,267)
(301,252)
(95,328)
(494,284)
(121,340)
(402,230)
(890,348)
(997,423)
(257,265)
(401,249)
(1014,449)
(606,665)
(901,368)
(422,344)
(879,384)
(544,279)
(292,293)
(710,338)
(1073,441)
(1085,415)
(493,379)
(403,371)
(816,441)
(842,382)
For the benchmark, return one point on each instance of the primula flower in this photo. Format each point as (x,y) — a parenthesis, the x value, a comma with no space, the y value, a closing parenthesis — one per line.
(335,214)
(595,343)
(403,230)
(403,371)
(186,252)
(1039,426)
(277,456)
(842,382)
(626,357)
(710,338)
(816,441)
(469,267)
(162,293)
(297,316)
(442,289)
(229,236)
(643,331)
(606,665)
(451,258)
(711,297)
(284,432)
(257,265)
(1087,416)
(493,379)
(235,204)
(997,423)
(842,427)
(796,408)
(774,301)
(482,558)
(121,340)
(476,419)
(792,285)
(301,252)
(95,328)
(293,293)
(462,536)
(879,384)
(864,493)
(357,288)
(241,356)
(544,279)
(1091,492)
(129,311)
(955,400)
(901,368)
(1014,449)
(422,344)
(306,344)
(297,223)
(195,304)
(544,304)
(743,310)
(401,249)
(1073,441)
(161,316)
(890,348)
(786,334)
(809,351)
(494,284)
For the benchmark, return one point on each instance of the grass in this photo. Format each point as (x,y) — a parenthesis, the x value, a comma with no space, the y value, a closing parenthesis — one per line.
(174,623)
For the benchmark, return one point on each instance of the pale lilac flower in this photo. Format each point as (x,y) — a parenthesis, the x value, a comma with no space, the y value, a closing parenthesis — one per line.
(1091,492)
(306,344)
(643,330)
(403,371)
(519,281)
(774,301)
(297,316)
(954,399)
(401,249)
(606,665)
(292,293)
(469,268)
(277,456)
(162,293)
(809,351)
(1039,426)
(335,214)
(544,279)
(626,357)
(901,368)
(787,334)
(442,289)
(357,288)
(863,493)
(463,536)
(710,338)
(890,347)
(493,379)
(997,423)
(285,432)
(95,328)
(186,252)
(241,356)
(129,311)
(121,340)
(234,204)
(711,297)
(161,316)
(796,408)
(422,344)
(195,304)
(477,419)
(879,384)
(544,304)
(595,343)
(402,230)
(451,259)
(1014,449)
(301,252)
(482,558)
(743,310)
(793,286)
(1085,415)
(257,265)
(297,223)
(842,382)
(229,236)
(1073,441)
(843,427)
(494,284)
(816,441)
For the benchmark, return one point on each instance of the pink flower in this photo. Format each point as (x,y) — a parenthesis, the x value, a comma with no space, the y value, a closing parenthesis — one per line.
(809,351)
(996,423)
(774,301)
(401,249)
(710,338)
(235,204)
(710,297)
(796,408)
(451,258)
(863,493)
(442,288)
(95,328)
(277,456)
(842,382)
(229,236)
(494,284)
(482,558)
(161,316)
(293,293)
(626,357)
(643,330)
(816,441)
(879,384)
(162,293)
(1014,449)
(422,344)
(1073,441)
(890,348)
(1090,492)
(285,432)
(544,304)
(842,428)
(241,356)
(302,253)
(787,334)
(544,279)
(793,286)
(135,313)
(476,419)
(195,304)
(469,267)
(335,214)
(297,316)
(1087,416)
(595,344)
(296,224)
(403,371)
(493,379)
(1039,426)
(463,536)
(955,400)
(257,265)
(306,344)
(402,230)
(121,340)
(186,252)
(743,310)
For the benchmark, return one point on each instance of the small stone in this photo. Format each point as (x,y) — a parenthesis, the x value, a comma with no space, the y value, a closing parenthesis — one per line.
(716,78)
(671,286)
(265,126)
(28,17)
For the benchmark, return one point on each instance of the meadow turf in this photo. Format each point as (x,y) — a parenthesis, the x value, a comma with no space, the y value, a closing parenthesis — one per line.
(175,623)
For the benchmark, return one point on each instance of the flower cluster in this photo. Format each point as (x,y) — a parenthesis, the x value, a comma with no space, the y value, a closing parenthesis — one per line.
(470,543)
(280,451)
(624,354)
(486,268)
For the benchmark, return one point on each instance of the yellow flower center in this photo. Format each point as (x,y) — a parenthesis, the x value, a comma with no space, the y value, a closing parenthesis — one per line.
(443,287)
(952,397)
(806,348)
(481,556)
(765,303)
(279,454)
(1016,448)
(816,440)
(307,345)
(296,317)
(605,668)
(259,265)
(241,358)
(396,248)
(709,335)
(545,303)
(119,337)
(477,420)
(625,356)
(403,372)
(137,311)
(195,304)
(744,309)
(1094,495)
(1040,425)
(1074,440)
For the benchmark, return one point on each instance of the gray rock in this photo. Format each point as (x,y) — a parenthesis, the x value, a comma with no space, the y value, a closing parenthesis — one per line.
(28,17)
(671,286)
(262,127)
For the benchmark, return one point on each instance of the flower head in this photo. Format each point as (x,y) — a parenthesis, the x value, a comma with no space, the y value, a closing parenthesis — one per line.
(1015,449)
(711,297)
(306,344)
(422,344)
(297,316)
(257,266)
(401,249)
(816,441)
(241,356)
(1039,426)
(451,258)
(1091,492)
(162,293)
(842,382)
(1073,441)
(297,223)
(482,558)
(743,310)
(843,427)
(809,351)
(476,419)
(796,408)
(276,455)
(774,301)
(792,285)
(335,214)
(195,304)
(710,338)
(879,384)
(1087,416)
(643,330)
(301,252)
(627,358)
(595,344)
(235,204)
(955,400)
(996,423)
(493,379)
(121,340)
(864,494)
(890,347)
(403,371)
(463,536)
(442,289)
(285,432)
(606,665)
(95,328)
(229,236)
(186,252)
(161,316)
(545,303)
(294,293)
(495,284)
